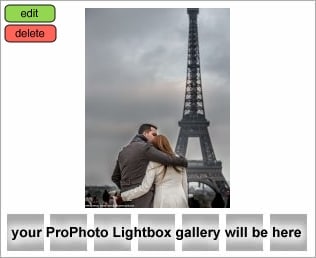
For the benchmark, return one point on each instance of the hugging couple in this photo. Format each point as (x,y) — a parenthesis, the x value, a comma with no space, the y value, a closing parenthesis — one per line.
(149,173)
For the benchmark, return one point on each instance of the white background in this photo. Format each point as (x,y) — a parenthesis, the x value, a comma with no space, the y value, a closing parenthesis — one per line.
(272,118)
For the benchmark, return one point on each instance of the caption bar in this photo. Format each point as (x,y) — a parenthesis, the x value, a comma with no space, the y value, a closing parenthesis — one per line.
(287,232)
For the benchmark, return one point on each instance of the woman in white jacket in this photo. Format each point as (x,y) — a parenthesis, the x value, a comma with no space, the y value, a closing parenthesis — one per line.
(171,186)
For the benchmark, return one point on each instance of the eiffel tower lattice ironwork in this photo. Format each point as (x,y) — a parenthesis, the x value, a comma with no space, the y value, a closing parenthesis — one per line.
(194,123)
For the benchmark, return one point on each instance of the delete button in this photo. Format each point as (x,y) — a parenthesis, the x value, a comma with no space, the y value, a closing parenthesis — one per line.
(30,33)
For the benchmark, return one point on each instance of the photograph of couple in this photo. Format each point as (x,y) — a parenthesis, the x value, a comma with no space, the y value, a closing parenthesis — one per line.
(140,153)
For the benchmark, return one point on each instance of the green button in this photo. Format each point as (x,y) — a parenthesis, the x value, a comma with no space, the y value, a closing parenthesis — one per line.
(29,13)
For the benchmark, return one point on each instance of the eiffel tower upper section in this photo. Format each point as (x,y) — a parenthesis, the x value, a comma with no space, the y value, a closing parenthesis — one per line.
(193,103)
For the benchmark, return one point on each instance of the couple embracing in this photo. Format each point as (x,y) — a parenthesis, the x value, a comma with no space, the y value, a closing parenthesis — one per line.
(149,173)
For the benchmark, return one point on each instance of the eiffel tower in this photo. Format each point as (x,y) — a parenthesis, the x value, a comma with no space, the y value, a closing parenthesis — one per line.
(194,123)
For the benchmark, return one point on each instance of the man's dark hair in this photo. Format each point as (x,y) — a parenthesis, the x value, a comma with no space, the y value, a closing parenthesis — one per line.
(145,127)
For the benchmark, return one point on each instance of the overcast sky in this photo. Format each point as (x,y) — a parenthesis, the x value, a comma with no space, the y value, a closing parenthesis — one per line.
(135,72)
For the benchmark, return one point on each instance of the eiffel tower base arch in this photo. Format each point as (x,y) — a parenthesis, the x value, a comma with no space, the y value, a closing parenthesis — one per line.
(210,175)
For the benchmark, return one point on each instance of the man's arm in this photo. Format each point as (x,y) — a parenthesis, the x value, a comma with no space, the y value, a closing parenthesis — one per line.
(153,154)
(116,176)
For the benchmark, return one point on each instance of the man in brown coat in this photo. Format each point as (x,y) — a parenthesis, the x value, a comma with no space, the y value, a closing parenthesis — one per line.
(132,163)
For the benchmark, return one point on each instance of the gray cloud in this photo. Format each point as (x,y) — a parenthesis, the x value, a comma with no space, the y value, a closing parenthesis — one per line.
(135,73)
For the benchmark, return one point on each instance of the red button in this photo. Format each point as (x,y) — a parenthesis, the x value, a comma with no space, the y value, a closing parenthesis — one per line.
(30,33)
